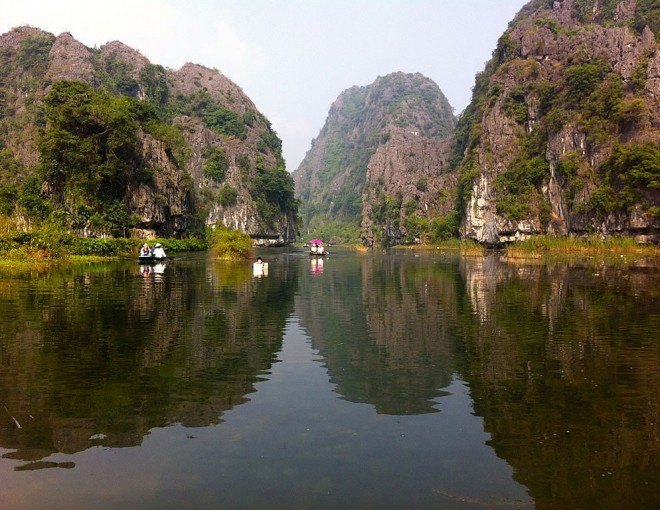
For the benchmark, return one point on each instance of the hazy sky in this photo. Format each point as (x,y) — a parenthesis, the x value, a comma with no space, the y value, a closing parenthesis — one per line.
(291,57)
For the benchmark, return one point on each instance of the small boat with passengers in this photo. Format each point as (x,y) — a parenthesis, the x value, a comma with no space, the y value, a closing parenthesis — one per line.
(317,249)
(147,256)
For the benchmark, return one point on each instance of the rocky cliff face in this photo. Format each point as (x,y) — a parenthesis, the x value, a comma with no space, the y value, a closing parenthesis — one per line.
(382,144)
(211,170)
(564,125)
(406,178)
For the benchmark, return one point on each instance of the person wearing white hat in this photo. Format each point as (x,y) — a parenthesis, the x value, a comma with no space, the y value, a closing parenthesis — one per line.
(159,252)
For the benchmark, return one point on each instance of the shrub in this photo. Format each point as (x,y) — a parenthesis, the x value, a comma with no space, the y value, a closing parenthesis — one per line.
(216,164)
(582,80)
(422,184)
(518,188)
(514,104)
(273,192)
(224,121)
(32,200)
(631,112)
(635,166)
(227,195)
(8,197)
(410,206)
(602,201)
(444,227)
(230,244)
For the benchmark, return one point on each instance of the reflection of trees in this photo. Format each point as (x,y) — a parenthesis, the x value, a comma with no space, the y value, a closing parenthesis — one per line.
(563,366)
(98,352)
(562,361)
(382,326)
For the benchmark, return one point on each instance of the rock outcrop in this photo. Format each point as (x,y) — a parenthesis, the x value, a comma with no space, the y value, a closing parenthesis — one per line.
(205,173)
(562,120)
(561,137)
(409,171)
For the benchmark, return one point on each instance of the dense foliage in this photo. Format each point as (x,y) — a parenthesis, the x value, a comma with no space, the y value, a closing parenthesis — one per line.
(90,151)
(52,241)
(216,164)
(273,192)
(335,232)
(230,244)
(629,177)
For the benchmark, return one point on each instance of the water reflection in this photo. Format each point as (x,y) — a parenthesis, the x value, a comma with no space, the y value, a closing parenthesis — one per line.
(98,355)
(564,367)
(156,270)
(555,366)
(381,326)
(316,265)
(563,361)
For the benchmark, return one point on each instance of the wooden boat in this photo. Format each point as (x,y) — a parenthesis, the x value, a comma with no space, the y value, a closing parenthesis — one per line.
(150,259)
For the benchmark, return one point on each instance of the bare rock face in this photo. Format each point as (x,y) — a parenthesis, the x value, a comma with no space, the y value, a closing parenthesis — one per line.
(70,60)
(407,167)
(558,104)
(194,77)
(117,50)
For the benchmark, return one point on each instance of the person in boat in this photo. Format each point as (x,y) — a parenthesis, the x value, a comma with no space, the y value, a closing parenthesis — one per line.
(314,248)
(260,268)
(145,251)
(159,252)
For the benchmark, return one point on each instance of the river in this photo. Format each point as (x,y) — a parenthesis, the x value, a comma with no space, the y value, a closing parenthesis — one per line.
(386,379)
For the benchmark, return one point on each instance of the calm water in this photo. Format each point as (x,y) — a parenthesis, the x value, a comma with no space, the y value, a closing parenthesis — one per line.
(359,381)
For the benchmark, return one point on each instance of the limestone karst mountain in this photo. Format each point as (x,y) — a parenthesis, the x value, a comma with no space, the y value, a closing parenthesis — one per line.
(562,134)
(382,144)
(107,143)
(561,137)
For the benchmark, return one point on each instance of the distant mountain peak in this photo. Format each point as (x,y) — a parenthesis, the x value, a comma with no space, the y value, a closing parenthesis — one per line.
(405,111)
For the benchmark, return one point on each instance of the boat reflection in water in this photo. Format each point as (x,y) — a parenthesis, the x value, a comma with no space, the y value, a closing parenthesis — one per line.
(315,265)
(260,268)
(156,270)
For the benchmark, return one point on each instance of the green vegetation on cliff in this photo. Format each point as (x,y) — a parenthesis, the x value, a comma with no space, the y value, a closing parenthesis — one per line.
(332,178)
(89,152)
(647,13)
(110,150)
(549,95)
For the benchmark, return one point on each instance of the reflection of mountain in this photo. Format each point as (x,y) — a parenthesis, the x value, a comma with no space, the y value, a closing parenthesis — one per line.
(562,361)
(382,326)
(563,366)
(99,355)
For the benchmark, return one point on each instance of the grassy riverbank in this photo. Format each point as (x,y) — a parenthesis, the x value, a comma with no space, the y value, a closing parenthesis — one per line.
(462,246)
(541,246)
(546,245)
(54,244)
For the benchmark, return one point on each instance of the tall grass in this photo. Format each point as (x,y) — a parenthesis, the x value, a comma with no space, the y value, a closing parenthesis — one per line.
(540,245)
(463,246)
